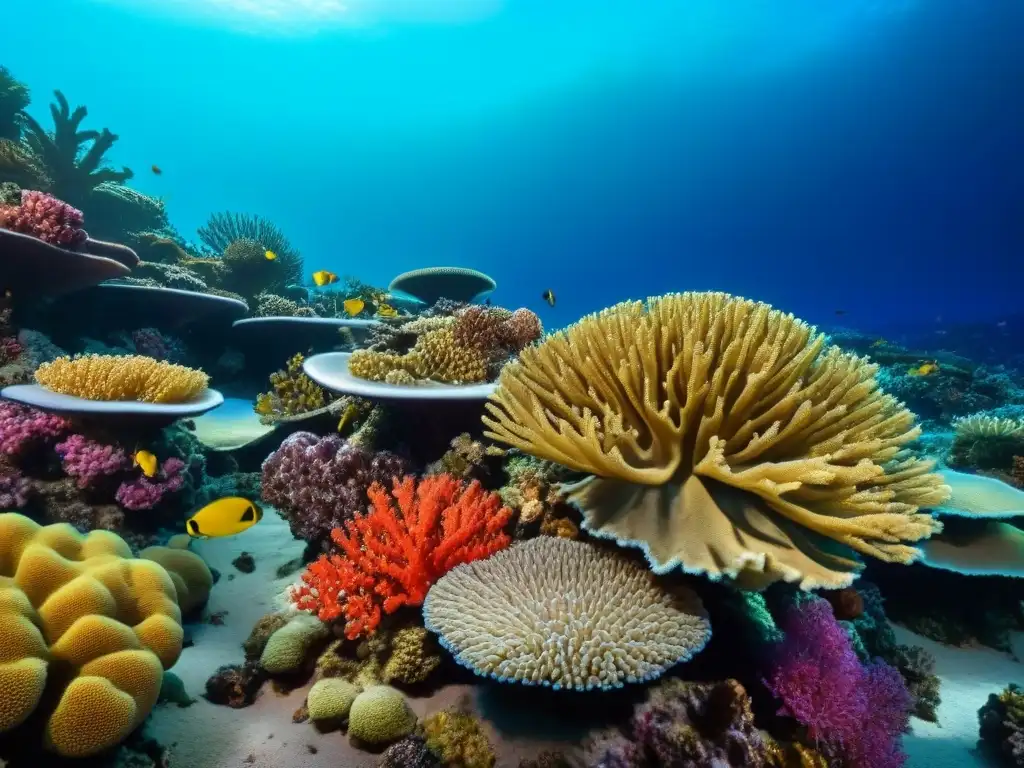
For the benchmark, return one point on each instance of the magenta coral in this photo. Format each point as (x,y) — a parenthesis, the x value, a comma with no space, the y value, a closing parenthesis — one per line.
(21,426)
(14,489)
(319,483)
(146,493)
(852,713)
(45,217)
(86,460)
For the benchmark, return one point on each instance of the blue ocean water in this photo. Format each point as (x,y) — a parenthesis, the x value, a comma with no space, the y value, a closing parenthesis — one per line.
(857,156)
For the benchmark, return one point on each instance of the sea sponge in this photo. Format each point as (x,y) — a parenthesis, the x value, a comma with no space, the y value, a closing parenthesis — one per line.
(721,437)
(132,377)
(82,605)
(191,576)
(288,648)
(380,715)
(458,739)
(330,699)
(565,614)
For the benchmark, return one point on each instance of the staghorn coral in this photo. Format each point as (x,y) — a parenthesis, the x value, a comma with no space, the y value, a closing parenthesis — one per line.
(685,724)
(1001,722)
(79,613)
(564,614)
(854,714)
(390,557)
(46,218)
(458,739)
(779,459)
(134,377)
(73,168)
(318,483)
(292,393)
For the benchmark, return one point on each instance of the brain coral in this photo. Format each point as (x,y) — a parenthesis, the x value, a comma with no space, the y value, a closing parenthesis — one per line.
(81,617)
(564,614)
(132,377)
(722,437)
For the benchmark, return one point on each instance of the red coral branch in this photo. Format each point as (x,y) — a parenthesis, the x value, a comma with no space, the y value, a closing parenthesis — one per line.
(391,556)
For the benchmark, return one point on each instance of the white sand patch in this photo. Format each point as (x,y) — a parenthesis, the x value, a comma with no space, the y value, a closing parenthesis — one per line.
(968,676)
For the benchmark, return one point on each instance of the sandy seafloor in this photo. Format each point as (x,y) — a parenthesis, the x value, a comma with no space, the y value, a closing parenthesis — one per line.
(263,735)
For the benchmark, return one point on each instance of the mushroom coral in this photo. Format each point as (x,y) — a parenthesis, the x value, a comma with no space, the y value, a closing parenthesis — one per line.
(723,437)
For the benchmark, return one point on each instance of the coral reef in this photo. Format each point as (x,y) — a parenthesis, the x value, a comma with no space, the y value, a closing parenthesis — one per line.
(564,614)
(288,648)
(319,483)
(709,433)
(468,459)
(390,557)
(45,217)
(106,377)
(146,493)
(853,713)
(1001,722)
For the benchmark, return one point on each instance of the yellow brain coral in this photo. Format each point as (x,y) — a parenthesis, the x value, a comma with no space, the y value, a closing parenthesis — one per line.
(565,614)
(79,615)
(133,377)
(722,437)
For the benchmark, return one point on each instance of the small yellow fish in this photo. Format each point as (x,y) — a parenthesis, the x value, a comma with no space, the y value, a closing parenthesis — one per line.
(145,461)
(354,306)
(386,310)
(270,256)
(925,369)
(323,277)
(224,517)
(879,343)
(549,297)
(346,415)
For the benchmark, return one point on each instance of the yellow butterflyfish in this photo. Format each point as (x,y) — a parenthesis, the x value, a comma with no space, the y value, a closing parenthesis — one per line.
(354,306)
(323,277)
(270,255)
(925,369)
(386,310)
(145,461)
(224,517)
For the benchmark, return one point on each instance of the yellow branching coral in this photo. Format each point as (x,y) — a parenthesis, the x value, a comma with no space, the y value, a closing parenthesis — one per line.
(293,393)
(722,437)
(435,357)
(134,377)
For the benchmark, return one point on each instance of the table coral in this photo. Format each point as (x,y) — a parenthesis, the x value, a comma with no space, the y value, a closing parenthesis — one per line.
(318,483)
(133,377)
(390,557)
(82,603)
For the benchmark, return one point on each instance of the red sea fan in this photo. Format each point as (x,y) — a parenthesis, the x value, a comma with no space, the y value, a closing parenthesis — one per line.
(390,557)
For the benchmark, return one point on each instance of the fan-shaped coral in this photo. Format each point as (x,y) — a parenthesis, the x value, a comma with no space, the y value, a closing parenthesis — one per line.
(78,614)
(722,437)
(565,614)
(134,377)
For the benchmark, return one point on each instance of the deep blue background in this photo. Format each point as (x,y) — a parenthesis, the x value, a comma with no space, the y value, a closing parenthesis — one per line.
(863,156)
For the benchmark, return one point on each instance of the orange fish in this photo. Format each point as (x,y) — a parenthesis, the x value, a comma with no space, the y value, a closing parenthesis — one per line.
(156,169)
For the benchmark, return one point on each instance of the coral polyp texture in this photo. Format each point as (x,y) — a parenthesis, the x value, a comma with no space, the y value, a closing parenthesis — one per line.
(564,614)
(45,217)
(133,377)
(389,557)
(722,437)
(81,617)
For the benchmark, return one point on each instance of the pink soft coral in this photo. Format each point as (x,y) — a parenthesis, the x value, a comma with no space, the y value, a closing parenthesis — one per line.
(21,426)
(45,217)
(86,460)
(146,493)
(853,713)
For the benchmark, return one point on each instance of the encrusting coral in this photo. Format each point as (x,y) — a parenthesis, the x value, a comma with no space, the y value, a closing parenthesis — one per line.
(390,557)
(133,377)
(80,613)
(776,458)
(564,614)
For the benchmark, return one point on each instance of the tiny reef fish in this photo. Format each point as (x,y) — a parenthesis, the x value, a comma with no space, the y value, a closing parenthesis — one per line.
(156,169)
(879,343)
(224,517)
(346,415)
(145,461)
(323,277)
(353,306)
(840,312)
(925,369)
(549,297)
(386,310)
(270,256)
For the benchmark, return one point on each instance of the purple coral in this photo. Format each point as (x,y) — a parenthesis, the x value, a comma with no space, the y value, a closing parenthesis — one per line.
(146,493)
(853,713)
(14,489)
(151,343)
(21,426)
(317,483)
(87,461)
(45,217)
